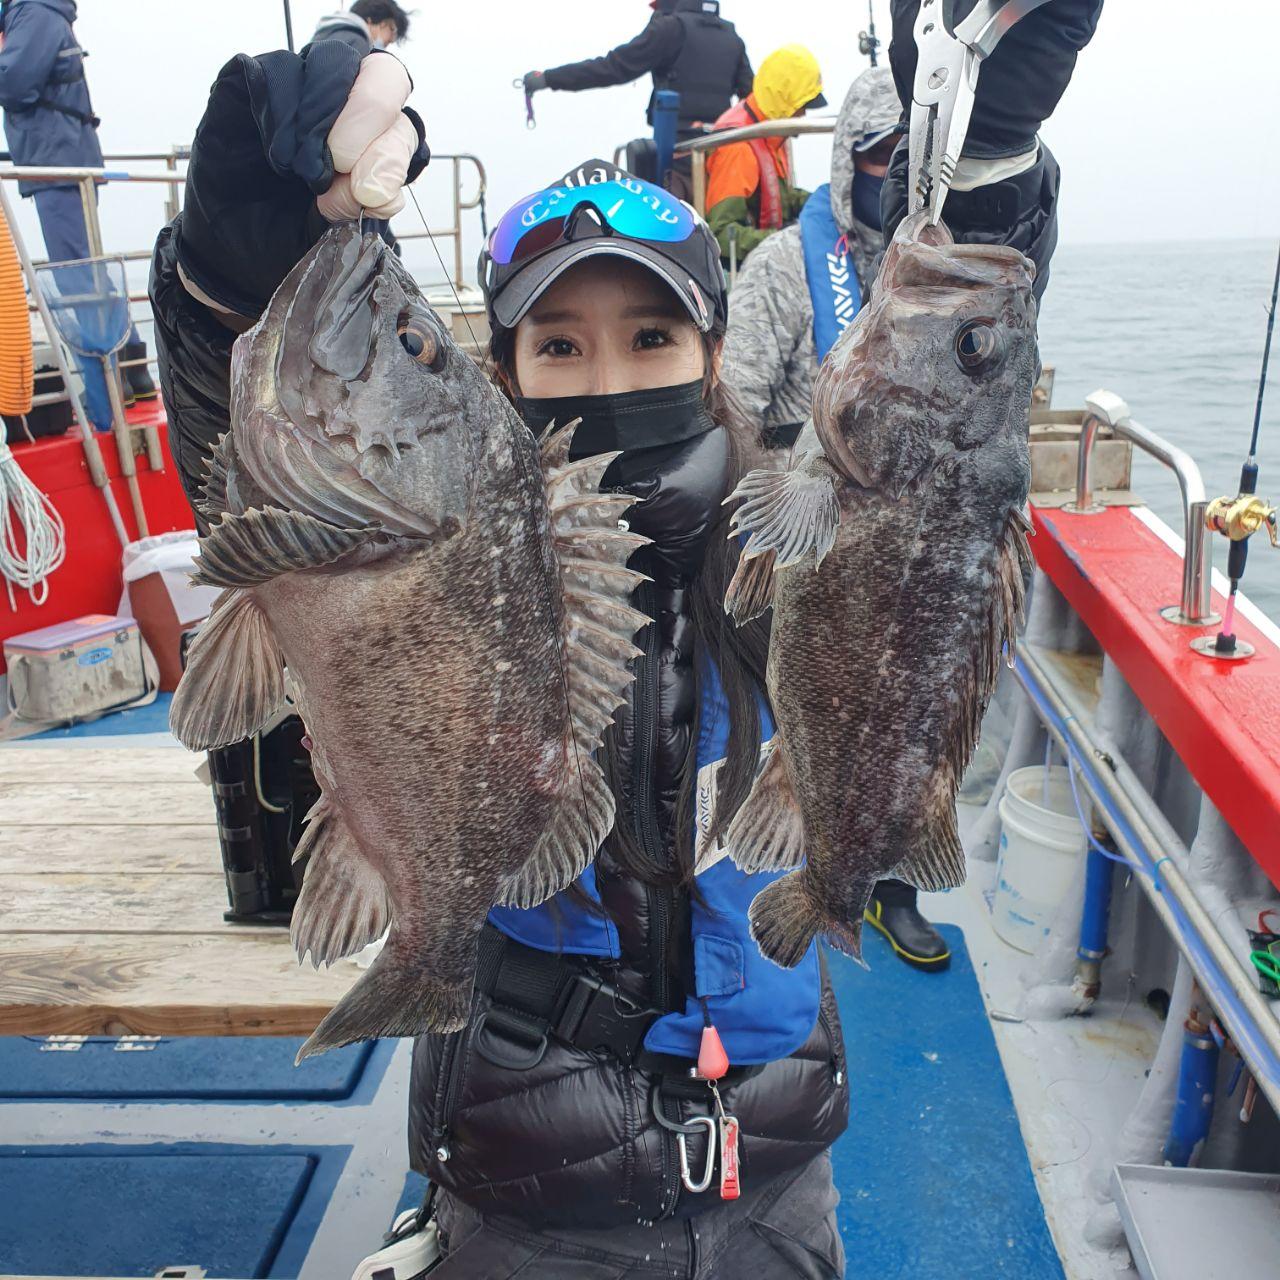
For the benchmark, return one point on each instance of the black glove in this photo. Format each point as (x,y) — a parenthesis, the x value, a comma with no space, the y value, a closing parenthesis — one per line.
(1020,84)
(534,81)
(1021,211)
(258,161)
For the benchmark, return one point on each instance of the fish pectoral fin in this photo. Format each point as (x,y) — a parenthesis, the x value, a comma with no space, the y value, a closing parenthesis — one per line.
(215,488)
(790,513)
(344,904)
(750,590)
(767,833)
(582,819)
(234,678)
(937,861)
(249,549)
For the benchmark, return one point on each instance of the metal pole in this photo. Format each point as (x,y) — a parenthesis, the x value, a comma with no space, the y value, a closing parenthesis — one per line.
(93,230)
(288,25)
(1143,834)
(92,454)
(457,222)
(124,445)
(700,182)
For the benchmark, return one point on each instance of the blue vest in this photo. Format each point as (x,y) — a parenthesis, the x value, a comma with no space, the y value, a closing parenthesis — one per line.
(829,270)
(762,1012)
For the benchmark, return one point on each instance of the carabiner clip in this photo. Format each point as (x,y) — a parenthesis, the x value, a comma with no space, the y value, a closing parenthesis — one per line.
(709,1172)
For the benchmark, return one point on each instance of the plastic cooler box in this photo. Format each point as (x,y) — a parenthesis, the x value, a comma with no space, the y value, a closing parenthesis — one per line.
(76,669)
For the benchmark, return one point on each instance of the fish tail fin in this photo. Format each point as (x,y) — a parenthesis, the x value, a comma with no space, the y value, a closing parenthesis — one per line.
(396,996)
(785,920)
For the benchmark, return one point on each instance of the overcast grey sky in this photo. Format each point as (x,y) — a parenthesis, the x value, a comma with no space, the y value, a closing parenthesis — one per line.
(1168,130)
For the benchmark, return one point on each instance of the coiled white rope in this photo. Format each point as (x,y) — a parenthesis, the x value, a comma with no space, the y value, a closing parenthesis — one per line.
(27,563)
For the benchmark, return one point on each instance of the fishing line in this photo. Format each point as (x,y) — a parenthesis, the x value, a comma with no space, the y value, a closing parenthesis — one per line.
(519,451)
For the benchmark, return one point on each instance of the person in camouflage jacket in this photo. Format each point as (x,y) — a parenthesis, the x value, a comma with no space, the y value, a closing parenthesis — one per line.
(770,357)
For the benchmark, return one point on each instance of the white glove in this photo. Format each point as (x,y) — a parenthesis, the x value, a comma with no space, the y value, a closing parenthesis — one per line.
(372,142)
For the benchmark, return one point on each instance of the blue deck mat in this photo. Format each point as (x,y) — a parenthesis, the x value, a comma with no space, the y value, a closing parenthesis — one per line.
(128,1211)
(153,718)
(933,1173)
(200,1068)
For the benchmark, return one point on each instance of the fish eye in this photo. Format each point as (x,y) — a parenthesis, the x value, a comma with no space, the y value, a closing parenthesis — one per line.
(418,340)
(979,347)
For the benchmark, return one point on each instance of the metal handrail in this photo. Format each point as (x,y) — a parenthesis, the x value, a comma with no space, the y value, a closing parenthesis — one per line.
(789,128)
(1144,836)
(697,149)
(1104,408)
(86,178)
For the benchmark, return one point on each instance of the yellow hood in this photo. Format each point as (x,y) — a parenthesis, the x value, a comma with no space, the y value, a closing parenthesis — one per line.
(788,79)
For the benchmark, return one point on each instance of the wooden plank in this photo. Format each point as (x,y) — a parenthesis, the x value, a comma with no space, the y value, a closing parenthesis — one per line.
(91,984)
(155,904)
(90,849)
(30,766)
(106,803)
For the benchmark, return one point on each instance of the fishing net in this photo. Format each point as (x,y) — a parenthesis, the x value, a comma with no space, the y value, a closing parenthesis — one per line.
(89,303)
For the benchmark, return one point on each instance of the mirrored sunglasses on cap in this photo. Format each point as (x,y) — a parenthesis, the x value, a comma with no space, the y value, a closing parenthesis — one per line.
(629,206)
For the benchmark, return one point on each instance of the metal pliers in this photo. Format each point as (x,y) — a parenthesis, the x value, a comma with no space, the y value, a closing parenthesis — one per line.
(948,59)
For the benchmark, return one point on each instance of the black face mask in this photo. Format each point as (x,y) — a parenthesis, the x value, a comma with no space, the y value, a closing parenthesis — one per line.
(631,421)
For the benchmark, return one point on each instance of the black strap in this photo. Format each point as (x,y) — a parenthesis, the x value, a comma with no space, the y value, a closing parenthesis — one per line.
(85,117)
(539,994)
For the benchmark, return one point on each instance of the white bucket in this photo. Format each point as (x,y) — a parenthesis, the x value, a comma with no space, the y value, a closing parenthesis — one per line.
(1041,844)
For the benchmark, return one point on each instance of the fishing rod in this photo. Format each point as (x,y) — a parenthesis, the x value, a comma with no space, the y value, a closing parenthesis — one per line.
(1239,518)
(868,44)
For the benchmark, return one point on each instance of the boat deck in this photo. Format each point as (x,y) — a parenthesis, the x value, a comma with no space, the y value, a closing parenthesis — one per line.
(138,1081)
(113,890)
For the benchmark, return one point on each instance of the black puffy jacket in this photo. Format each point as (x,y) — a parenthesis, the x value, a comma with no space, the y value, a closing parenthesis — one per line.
(572,1140)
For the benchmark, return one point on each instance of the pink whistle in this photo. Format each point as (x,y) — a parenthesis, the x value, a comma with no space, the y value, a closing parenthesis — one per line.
(713,1062)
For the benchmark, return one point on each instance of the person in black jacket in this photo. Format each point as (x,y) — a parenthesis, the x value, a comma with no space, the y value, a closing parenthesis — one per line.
(687,46)
(49,122)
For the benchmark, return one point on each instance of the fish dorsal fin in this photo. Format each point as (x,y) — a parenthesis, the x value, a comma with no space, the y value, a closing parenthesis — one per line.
(243,551)
(214,496)
(789,513)
(767,833)
(234,678)
(596,585)
(344,903)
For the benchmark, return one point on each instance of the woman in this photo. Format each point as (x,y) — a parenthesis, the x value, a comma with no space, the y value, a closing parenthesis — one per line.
(564,1125)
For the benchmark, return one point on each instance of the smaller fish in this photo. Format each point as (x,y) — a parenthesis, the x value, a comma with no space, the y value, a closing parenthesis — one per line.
(894,562)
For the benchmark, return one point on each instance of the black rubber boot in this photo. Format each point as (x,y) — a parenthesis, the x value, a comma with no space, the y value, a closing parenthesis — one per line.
(893,911)
(137,377)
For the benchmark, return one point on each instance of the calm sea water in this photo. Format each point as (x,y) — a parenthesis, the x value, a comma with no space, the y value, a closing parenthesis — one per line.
(1177,330)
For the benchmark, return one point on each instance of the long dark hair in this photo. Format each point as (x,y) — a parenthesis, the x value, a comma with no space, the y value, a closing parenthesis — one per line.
(737,653)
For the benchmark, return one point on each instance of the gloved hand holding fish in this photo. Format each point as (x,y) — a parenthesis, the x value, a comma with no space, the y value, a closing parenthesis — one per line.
(451,608)
(894,560)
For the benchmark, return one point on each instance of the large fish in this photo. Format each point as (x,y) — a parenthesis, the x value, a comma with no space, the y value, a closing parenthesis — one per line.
(895,558)
(450,602)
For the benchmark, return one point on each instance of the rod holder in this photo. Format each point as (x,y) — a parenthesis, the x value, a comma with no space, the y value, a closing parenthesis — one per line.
(1106,409)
